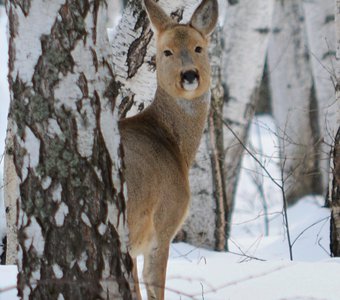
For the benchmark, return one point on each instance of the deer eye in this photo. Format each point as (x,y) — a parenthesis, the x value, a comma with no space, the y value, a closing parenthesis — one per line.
(167,53)
(198,49)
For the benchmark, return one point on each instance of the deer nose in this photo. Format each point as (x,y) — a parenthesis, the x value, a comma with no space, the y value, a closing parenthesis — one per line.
(189,80)
(189,76)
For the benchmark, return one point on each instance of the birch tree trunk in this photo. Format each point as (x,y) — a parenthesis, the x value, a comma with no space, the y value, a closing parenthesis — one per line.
(65,153)
(293,100)
(319,15)
(335,160)
(246,34)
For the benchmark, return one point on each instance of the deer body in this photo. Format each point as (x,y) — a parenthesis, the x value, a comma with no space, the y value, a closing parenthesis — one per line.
(161,142)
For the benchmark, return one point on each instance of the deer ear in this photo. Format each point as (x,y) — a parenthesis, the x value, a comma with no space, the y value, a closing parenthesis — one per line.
(157,16)
(205,17)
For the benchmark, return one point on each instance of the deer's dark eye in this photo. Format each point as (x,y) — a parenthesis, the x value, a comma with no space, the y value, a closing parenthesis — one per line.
(198,49)
(167,53)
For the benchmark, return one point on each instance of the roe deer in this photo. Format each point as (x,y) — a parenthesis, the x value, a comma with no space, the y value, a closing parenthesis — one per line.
(160,143)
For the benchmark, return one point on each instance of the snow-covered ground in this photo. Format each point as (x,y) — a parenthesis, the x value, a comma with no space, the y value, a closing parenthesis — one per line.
(257,266)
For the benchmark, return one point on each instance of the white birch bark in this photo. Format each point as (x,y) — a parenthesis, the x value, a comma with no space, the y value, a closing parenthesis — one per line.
(319,15)
(71,211)
(246,30)
(293,100)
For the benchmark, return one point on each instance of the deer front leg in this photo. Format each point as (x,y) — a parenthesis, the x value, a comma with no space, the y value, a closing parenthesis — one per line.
(135,279)
(154,271)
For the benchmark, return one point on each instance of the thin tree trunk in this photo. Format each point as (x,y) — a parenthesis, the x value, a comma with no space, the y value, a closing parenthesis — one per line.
(246,32)
(293,99)
(335,199)
(319,16)
(216,144)
(334,194)
(71,208)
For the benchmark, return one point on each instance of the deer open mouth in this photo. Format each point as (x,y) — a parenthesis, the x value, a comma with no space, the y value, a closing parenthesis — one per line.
(189,80)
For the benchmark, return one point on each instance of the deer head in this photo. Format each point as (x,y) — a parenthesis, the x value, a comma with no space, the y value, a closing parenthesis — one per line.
(183,69)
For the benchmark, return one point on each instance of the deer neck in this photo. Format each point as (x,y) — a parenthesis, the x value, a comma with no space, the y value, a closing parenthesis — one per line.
(184,120)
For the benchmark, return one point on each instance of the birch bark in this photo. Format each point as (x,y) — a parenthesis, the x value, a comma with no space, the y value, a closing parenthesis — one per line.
(320,26)
(293,101)
(246,32)
(64,155)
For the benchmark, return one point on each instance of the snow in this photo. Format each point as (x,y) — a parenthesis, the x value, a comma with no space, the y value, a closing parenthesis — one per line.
(258,265)
(258,262)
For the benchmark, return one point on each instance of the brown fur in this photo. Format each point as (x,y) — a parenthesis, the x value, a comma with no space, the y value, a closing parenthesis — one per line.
(160,144)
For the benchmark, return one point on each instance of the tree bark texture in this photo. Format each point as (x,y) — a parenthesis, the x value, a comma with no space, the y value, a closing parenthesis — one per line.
(216,145)
(334,186)
(335,199)
(11,196)
(65,153)
(246,31)
(320,25)
(295,108)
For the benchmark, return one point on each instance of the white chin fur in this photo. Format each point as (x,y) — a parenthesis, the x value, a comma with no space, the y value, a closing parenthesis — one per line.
(190,86)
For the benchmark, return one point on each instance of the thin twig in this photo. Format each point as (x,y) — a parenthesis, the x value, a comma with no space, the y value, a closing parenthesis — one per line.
(280,186)
(246,149)
(285,213)
(310,226)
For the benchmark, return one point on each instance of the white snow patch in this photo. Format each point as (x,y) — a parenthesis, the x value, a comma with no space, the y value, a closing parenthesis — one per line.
(58,272)
(56,195)
(86,219)
(82,262)
(61,213)
(26,54)
(34,237)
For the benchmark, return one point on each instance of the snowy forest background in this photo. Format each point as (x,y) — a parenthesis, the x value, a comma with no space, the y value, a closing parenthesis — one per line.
(268,143)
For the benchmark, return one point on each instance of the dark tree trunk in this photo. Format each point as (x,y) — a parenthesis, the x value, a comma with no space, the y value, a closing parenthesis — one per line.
(71,208)
(335,199)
